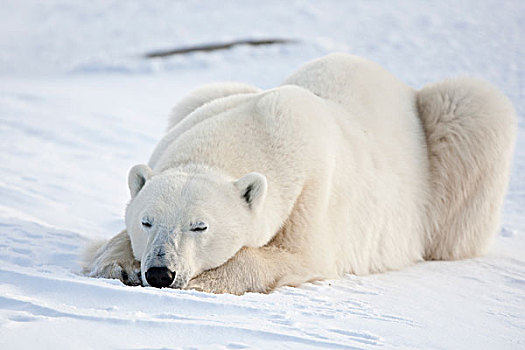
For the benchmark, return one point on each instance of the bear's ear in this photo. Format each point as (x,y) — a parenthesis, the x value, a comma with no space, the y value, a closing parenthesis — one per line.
(252,189)
(138,175)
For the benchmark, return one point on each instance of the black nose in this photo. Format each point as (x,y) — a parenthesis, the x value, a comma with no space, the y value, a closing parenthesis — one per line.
(159,277)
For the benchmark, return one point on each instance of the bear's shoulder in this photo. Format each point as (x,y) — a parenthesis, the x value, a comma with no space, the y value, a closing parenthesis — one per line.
(204,95)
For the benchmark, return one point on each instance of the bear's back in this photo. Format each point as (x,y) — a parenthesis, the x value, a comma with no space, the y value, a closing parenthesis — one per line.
(360,86)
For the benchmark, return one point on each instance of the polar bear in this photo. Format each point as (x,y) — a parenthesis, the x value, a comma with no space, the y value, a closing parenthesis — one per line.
(342,169)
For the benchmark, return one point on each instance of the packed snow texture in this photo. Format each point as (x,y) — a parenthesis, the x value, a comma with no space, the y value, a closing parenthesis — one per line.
(79,105)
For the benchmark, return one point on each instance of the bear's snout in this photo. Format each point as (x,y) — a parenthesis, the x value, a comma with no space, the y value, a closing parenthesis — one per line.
(159,277)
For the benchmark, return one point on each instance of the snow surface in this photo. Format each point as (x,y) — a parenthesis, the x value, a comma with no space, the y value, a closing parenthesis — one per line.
(79,106)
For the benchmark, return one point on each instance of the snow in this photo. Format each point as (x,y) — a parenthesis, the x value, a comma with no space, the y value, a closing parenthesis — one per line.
(79,105)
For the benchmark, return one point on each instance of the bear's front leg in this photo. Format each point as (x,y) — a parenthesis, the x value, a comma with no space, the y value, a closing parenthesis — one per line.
(252,270)
(113,259)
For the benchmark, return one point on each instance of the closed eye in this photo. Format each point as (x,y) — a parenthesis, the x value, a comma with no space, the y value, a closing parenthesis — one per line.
(146,222)
(199,227)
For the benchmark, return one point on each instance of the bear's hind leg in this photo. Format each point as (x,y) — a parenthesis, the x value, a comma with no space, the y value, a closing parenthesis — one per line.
(470,129)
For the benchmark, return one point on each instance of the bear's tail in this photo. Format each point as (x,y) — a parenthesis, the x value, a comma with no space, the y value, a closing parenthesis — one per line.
(470,130)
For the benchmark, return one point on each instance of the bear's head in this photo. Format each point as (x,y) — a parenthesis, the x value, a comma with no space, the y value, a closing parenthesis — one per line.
(183,223)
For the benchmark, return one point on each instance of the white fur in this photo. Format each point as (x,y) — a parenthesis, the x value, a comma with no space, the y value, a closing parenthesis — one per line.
(354,173)
(470,128)
(204,94)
